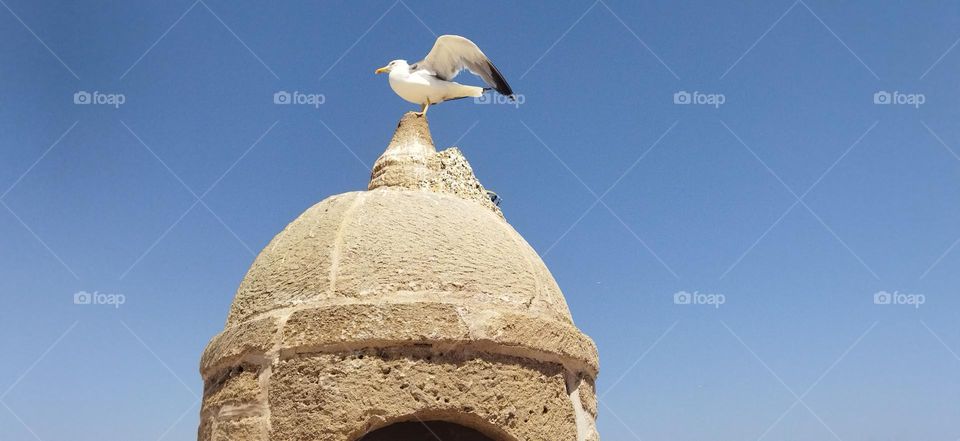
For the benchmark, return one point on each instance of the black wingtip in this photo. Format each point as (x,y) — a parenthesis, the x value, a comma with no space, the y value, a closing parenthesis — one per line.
(512,97)
(500,83)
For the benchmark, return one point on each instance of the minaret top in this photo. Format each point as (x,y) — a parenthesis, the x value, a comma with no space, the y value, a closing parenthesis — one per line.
(412,162)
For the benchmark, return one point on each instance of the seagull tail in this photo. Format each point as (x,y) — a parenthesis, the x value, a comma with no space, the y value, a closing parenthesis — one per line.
(471,91)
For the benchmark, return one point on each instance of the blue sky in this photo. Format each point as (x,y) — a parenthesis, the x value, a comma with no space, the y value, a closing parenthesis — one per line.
(797,199)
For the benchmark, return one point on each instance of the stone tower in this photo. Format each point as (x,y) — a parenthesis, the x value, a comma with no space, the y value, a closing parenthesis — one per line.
(410,311)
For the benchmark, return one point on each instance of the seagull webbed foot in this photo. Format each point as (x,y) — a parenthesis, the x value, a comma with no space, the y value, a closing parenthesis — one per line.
(423,109)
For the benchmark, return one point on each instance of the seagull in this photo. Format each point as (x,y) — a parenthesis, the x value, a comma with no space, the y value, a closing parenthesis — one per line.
(429,81)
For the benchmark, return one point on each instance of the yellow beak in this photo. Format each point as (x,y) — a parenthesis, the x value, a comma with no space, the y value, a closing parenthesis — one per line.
(382,70)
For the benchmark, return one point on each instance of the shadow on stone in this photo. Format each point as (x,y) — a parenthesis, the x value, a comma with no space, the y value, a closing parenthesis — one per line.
(427,430)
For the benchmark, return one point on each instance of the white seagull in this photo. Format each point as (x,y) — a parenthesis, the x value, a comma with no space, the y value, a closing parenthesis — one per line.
(429,81)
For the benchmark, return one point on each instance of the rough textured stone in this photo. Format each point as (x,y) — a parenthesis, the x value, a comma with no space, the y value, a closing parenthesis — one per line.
(205,431)
(588,395)
(439,245)
(235,342)
(451,173)
(296,265)
(411,323)
(238,387)
(412,300)
(411,161)
(241,429)
(405,162)
(388,242)
(339,396)
(356,325)
(559,338)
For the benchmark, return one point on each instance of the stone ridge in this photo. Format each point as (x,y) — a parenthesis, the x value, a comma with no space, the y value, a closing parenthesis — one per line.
(412,162)
(345,327)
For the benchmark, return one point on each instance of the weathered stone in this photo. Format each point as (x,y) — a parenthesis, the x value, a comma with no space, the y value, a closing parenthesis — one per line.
(241,429)
(351,394)
(550,336)
(451,173)
(235,388)
(296,266)
(411,162)
(398,323)
(356,325)
(205,431)
(588,395)
(235,342)
(404,163)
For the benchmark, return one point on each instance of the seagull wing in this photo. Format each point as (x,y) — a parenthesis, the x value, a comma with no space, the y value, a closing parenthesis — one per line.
(453,53)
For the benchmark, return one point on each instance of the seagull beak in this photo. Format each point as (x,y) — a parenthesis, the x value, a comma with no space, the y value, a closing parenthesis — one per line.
(382,70)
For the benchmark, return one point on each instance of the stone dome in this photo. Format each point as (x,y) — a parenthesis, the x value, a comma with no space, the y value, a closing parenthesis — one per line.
(423,267)
(399,246)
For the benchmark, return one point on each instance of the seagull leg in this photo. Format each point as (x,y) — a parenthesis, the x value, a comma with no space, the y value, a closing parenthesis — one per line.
(423,108)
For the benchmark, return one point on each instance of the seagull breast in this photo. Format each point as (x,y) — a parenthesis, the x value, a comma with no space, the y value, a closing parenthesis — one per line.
(422,86)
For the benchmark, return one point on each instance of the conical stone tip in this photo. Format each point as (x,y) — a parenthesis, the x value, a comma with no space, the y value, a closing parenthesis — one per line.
(404,163)
(412,162)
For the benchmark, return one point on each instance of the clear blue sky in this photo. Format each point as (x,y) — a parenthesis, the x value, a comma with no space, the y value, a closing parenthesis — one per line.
(710,208)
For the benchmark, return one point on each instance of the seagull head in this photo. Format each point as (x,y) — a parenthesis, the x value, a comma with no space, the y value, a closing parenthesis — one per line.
(395,64)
